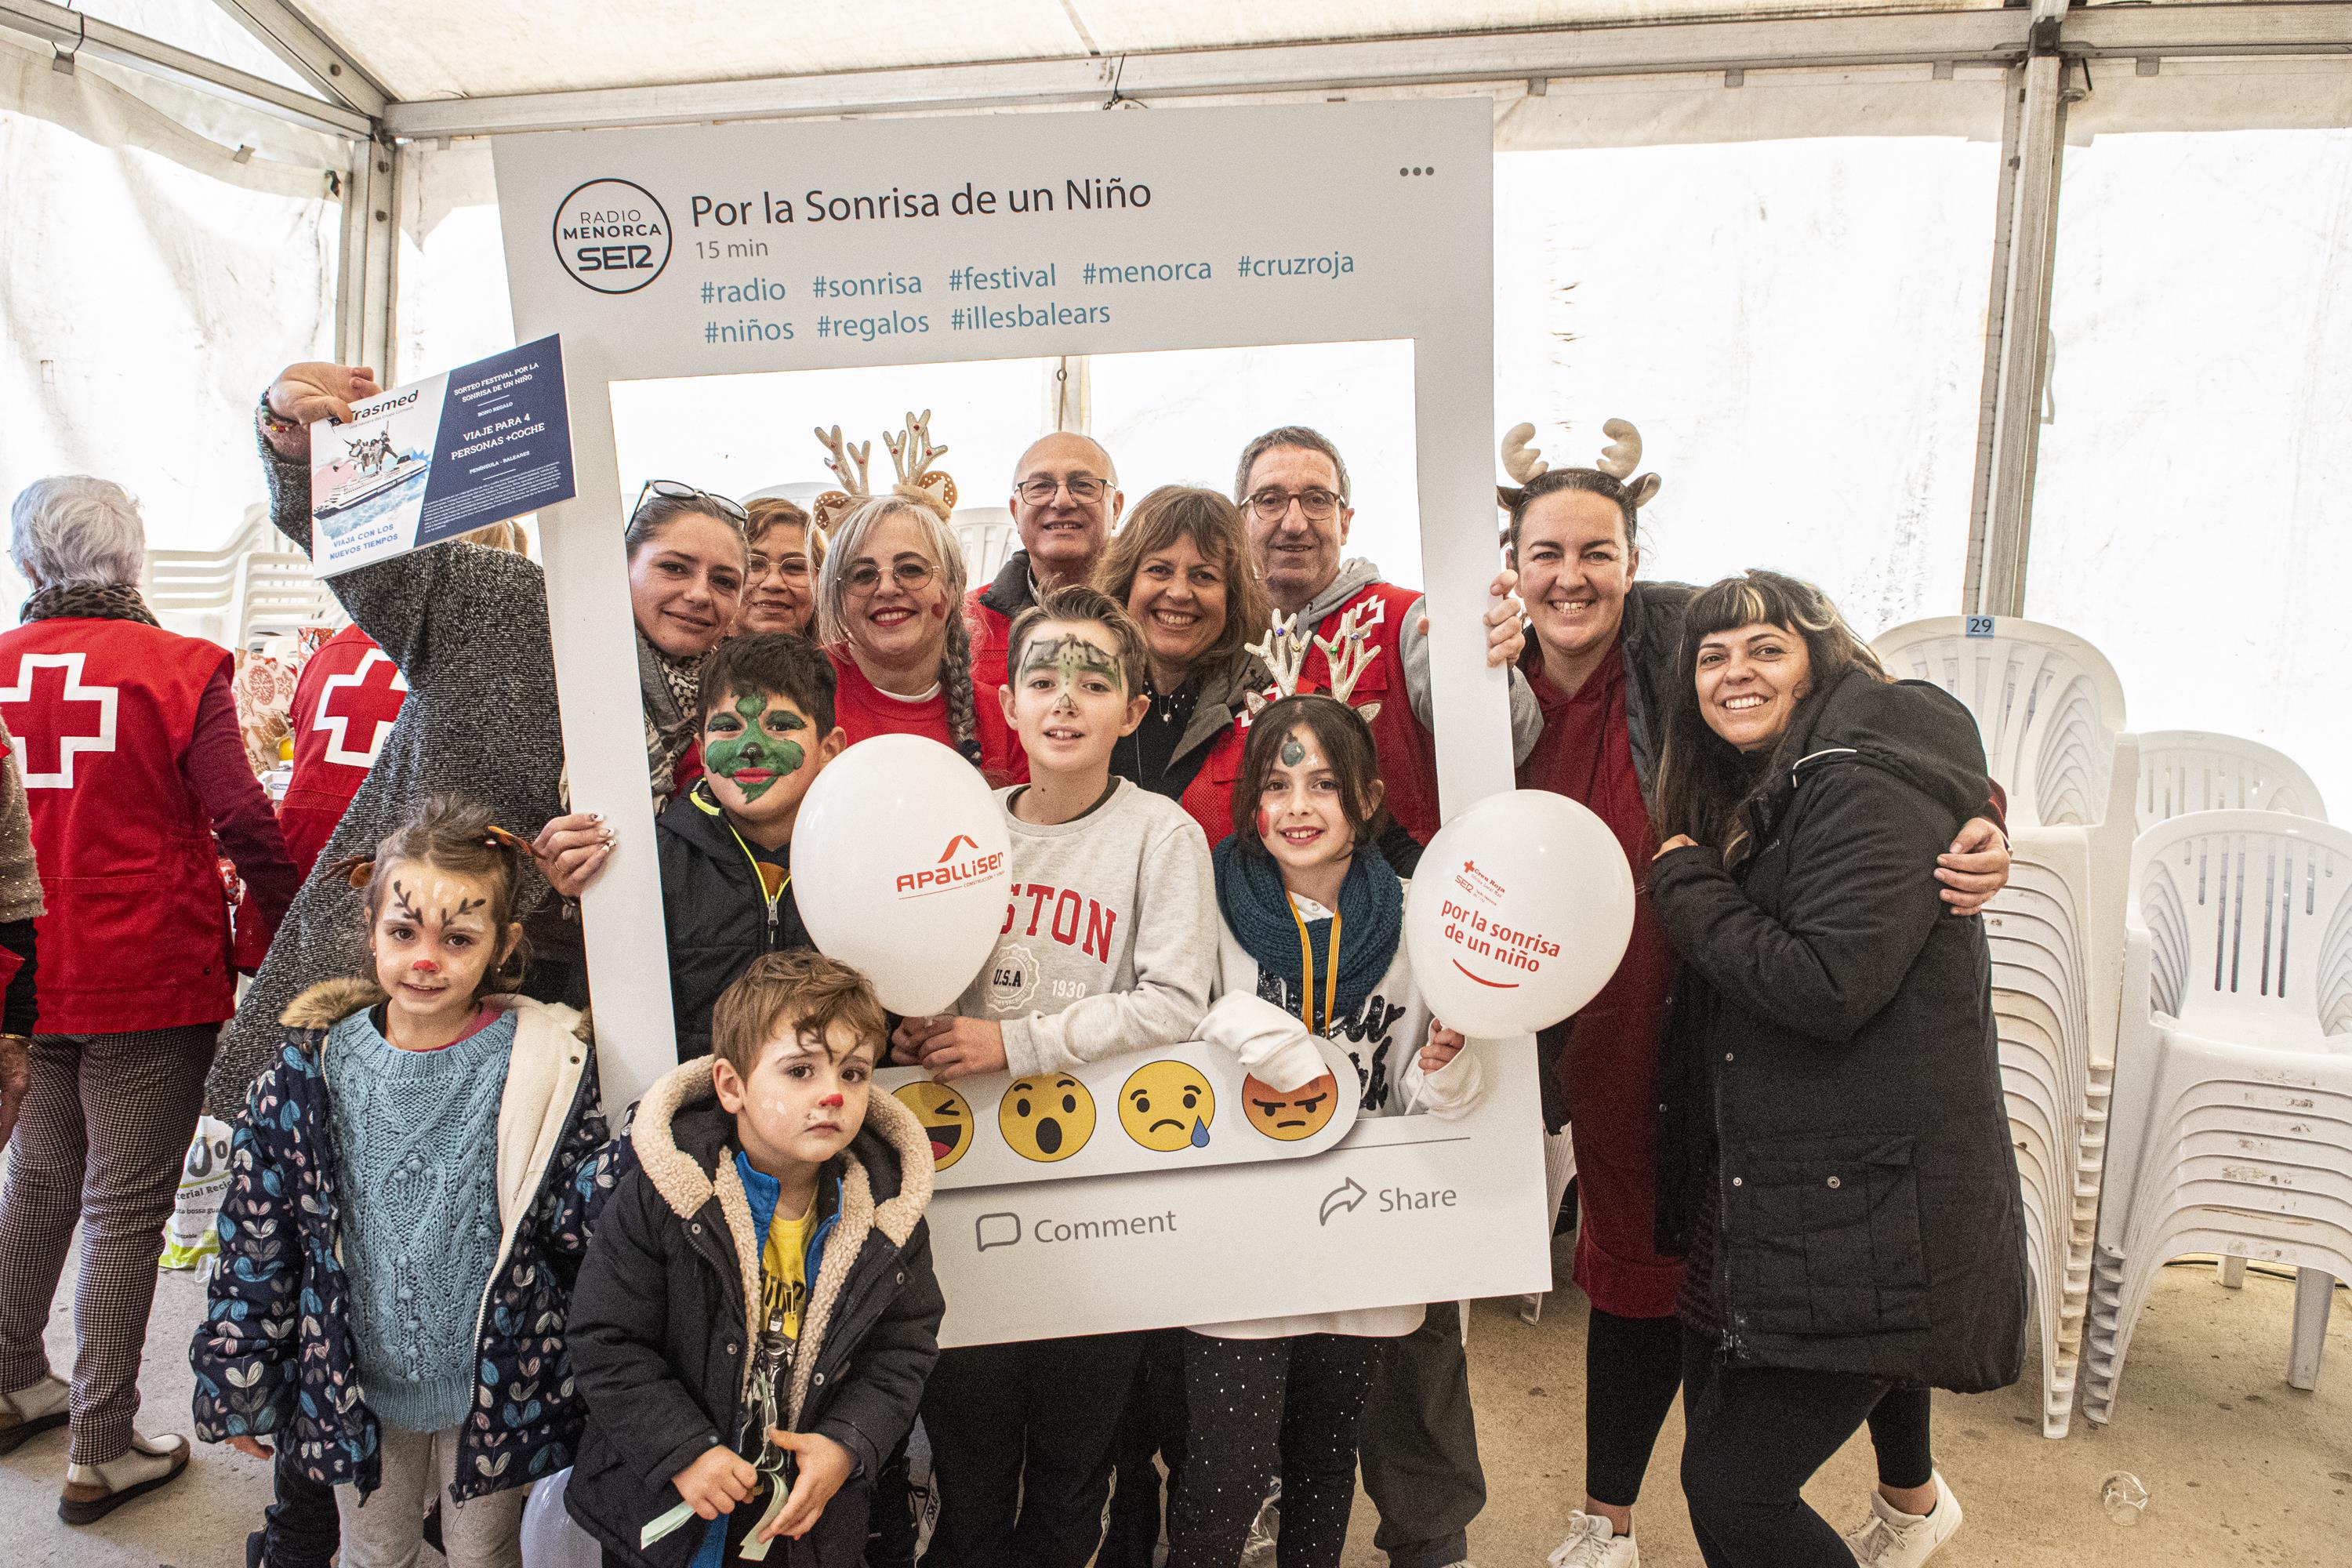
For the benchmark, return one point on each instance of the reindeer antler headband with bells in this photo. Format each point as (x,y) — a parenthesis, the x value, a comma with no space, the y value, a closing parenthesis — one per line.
(1618,459)
(911,453)
(1348,652)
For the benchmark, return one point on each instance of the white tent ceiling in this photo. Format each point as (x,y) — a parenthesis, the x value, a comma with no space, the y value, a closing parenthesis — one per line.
(445,49)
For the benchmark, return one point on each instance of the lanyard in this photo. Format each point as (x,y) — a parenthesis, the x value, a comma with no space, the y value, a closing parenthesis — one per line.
(1306,969)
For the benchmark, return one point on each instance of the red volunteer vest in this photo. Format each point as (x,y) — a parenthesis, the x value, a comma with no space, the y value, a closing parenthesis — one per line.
(137,932)
(1209,798)
(992,630)
(1408,756)
(344,706)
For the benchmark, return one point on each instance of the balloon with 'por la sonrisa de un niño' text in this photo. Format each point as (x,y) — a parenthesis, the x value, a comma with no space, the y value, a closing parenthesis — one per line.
(899,868)
(1518,913)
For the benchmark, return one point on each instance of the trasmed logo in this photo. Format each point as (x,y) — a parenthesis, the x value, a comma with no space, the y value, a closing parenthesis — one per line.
(949,871)
(612,235)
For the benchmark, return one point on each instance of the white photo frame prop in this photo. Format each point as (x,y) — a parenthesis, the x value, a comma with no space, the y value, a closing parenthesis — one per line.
(698,251)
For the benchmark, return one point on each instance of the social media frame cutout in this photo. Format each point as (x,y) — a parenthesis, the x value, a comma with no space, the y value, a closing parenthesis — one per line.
(1290,1116)
(1047,1117)
(1167,1105)
(946,1117)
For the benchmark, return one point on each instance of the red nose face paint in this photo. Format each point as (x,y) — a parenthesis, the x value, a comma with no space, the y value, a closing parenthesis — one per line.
(830,1102)
(424,966)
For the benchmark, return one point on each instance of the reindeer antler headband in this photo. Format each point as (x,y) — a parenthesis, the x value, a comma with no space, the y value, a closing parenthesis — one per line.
(1348,653)
(1524,462)
(911,453)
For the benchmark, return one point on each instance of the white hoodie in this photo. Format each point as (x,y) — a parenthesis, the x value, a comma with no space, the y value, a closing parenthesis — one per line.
(1383,1035)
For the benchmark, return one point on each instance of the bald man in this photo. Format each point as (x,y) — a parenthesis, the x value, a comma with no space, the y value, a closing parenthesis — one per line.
(1066,501)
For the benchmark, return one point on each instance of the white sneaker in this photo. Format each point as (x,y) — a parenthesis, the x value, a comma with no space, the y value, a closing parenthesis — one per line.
(93,1491)
(1890,1538)
(31,1410)
(1593,1543)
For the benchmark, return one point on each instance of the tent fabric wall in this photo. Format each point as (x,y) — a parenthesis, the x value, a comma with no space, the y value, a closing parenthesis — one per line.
(149,284)
(2190,512)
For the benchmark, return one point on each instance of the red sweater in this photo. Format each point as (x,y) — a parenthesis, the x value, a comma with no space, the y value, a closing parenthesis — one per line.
(861,708)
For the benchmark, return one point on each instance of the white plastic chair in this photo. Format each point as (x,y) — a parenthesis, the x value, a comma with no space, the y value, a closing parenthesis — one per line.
(2050,711)
(2232,1125)
(1559,1169)
(2182,771)
(988,539)
(254,584)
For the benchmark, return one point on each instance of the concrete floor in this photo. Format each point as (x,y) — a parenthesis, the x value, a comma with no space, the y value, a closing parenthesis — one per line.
(2239,1468)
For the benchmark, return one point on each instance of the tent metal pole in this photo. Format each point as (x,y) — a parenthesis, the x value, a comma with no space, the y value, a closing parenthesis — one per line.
(290,36)
(75,33)
(2017,358)
(364,279)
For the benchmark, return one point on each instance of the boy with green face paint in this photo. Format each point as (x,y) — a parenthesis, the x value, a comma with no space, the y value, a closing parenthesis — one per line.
(725,845)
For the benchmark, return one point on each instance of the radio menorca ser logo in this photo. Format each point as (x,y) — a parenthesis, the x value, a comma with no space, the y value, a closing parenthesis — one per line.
(612,235)
(950,871)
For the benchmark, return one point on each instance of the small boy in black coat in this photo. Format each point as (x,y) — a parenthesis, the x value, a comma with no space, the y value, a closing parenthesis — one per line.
(757,1314)
(767,731)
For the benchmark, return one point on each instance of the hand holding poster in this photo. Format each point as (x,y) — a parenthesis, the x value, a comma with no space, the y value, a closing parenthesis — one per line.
(441,457)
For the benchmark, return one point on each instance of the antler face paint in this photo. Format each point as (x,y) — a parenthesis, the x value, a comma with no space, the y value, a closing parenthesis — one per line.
(1072,658)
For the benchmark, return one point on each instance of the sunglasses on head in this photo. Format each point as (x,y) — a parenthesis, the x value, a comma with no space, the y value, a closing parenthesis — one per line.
(676,490)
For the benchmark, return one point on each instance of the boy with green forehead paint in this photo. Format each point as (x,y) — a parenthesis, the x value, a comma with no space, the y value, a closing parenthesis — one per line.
(725,845)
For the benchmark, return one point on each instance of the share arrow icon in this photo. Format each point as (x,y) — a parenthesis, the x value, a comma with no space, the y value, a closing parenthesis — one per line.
(1339,1198)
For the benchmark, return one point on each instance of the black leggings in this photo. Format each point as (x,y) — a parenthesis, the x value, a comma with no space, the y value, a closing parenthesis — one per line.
(1754,1436)
(1633,1367)
(1255,1409)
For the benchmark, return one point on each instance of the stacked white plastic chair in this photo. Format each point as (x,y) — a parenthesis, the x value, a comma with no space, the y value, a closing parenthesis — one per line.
(2234,1107)
(254,585)
(988,539)
(2182,771)
(2051,710)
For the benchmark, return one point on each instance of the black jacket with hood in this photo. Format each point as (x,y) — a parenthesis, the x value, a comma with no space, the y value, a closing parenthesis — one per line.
(665,1319)
(1833,1065)
(716,911)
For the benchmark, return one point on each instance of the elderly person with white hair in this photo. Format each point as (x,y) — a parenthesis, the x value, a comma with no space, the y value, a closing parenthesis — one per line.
(128,746)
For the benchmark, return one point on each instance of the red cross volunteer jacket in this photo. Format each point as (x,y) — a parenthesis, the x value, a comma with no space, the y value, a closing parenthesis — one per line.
(1408,756)
(344,706)
(136,935)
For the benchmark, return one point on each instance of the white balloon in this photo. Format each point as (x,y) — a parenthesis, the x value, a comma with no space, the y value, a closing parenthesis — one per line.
(549,1539)
(900,866)
(1518,913)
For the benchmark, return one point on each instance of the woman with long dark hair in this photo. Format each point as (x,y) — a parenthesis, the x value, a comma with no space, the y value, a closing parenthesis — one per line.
(1835,1165)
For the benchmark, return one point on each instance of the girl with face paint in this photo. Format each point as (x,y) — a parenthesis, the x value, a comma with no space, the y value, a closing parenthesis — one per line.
(1311,946)
(423,1283)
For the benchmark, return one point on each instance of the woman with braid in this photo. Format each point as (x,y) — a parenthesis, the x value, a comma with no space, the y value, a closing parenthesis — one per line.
(889,609)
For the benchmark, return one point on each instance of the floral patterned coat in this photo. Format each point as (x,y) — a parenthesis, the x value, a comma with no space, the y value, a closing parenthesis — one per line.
(274,1356)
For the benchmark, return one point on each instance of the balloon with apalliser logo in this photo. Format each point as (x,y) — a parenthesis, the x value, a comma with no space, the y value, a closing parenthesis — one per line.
(899,868)
(1518,914)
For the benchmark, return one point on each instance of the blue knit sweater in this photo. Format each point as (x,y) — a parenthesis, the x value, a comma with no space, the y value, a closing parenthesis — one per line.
(417,1151)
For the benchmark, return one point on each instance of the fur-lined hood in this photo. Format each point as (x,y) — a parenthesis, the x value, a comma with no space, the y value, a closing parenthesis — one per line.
(690,1180)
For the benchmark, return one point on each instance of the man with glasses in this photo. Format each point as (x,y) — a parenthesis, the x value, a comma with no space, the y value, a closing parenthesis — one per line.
(1066,501)
(1292,486)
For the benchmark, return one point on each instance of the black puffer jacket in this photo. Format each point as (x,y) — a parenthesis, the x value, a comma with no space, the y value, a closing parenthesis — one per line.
(716,911)
(662,1320)
(1832,1064)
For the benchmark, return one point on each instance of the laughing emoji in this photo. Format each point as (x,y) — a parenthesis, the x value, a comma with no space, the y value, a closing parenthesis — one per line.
(1047,1117)
(946,1118)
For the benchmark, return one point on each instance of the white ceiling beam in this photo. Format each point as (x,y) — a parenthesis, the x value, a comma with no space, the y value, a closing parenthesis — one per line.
(1333,67)
(289,35)
(70,32)
(2246,28)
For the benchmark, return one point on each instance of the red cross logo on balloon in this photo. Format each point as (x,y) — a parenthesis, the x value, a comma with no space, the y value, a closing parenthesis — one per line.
(376,688)
(86,725)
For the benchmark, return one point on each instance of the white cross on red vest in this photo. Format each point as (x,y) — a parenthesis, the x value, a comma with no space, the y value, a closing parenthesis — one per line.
(375,690)
(89,728)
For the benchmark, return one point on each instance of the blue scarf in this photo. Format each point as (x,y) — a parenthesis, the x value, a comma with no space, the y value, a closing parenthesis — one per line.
(1258,912)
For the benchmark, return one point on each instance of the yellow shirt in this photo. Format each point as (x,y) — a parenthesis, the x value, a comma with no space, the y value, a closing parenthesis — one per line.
(783,1274)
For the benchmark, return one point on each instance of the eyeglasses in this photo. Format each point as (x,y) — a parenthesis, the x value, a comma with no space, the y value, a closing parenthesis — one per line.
(1039,490)
(1272,505)
(676,490)
(863,579)
(794,565)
